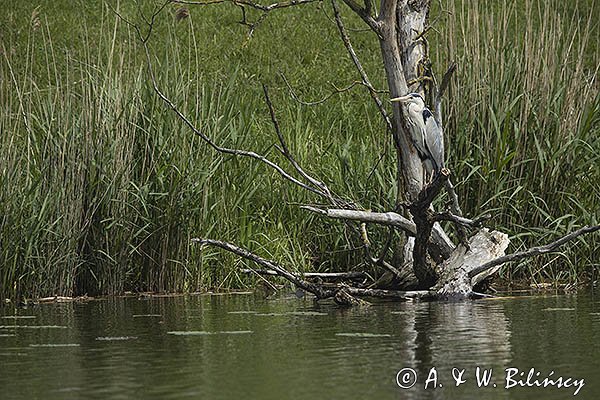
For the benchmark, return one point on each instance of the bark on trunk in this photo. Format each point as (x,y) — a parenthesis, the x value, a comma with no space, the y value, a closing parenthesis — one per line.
(402,23)
(396,68)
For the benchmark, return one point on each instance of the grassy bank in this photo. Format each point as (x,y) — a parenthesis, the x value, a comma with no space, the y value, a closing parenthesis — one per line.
(101,188)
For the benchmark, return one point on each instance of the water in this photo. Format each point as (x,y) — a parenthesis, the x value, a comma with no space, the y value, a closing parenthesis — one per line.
(245,347)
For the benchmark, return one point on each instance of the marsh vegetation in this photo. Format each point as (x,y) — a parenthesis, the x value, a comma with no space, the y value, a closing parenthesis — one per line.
(102,188)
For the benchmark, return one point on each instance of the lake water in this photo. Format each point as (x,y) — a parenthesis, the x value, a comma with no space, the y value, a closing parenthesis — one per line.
(246,347)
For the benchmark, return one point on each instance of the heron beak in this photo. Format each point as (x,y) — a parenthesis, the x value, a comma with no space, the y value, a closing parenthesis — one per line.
(402,99)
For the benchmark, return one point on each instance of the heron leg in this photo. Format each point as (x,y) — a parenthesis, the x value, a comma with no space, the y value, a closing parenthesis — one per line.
(428,172)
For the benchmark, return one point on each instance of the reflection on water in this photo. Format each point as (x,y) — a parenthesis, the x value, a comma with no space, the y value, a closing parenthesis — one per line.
(244,347)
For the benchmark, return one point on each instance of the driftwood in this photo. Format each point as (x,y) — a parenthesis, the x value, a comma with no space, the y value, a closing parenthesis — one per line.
(466,267)
(534,251)
(455,279)
(429,265)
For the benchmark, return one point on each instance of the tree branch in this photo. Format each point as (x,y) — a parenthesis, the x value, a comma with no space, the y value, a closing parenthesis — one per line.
(368,7)
(335,91)
(424,222)
(211,143)
(252,26)
(391,294)
(329,276)
(361,70)
(454,204)
(534,251)
(459,220)
(441,90)
(267,8)
(324,99)
(341,293)
(317,290)
(388,218)
(364,14)
(387,11)
(380,261)
(323,188)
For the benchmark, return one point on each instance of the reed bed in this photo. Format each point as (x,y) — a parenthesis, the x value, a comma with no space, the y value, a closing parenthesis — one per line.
(101,187)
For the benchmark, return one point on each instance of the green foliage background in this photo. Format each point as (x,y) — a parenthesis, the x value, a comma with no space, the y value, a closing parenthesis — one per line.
(102,187)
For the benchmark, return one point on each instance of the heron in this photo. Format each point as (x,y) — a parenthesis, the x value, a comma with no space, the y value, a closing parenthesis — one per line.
(426,134)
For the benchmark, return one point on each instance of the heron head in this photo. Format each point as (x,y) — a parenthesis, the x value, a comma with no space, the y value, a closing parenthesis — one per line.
(410,99)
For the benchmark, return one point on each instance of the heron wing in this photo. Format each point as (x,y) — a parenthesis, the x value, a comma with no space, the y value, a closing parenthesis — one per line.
(417,132)
(434,140)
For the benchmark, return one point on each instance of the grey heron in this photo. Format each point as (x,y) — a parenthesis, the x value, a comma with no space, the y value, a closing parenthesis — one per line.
(426,135)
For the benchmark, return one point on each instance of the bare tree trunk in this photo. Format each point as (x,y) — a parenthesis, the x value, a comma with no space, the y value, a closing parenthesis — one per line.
(403,49)
(397,68)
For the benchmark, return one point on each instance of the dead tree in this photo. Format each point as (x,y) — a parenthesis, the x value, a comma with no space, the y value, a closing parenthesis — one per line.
(433,266)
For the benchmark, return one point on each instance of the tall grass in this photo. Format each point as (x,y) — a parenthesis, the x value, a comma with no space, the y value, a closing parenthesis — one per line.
(101,187)
(524,119)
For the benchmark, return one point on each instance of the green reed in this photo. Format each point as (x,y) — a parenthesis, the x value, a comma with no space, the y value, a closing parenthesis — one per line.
(102,187)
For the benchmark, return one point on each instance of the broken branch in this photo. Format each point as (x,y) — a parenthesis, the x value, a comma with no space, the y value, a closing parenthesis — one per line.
(388,218)
(534,251)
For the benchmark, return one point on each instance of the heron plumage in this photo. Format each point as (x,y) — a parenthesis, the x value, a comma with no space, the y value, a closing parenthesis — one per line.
(426,135)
